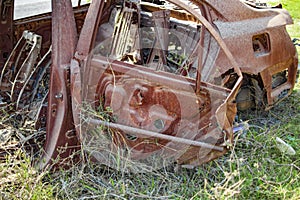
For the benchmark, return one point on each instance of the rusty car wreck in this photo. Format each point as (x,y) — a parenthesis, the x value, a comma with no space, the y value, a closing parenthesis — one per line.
(147,78)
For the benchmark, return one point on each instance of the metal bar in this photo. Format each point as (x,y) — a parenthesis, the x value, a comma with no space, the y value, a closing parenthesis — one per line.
(59,114)
(30,78)
(138,131)
(22,75)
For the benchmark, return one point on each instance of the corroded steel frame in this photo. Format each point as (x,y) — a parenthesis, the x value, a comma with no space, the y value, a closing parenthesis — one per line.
(238,29)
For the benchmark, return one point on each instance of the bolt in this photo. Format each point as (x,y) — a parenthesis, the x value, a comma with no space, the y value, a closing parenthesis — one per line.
(59,96)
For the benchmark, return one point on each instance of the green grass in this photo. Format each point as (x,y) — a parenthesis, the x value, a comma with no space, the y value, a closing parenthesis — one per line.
(293,6)
(254,169)
(18,180)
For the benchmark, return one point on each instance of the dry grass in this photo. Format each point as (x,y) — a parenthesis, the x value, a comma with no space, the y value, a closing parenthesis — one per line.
(255,168)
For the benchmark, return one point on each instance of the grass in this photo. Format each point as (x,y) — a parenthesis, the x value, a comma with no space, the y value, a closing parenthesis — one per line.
(254,169)
(293,6)
(19,180)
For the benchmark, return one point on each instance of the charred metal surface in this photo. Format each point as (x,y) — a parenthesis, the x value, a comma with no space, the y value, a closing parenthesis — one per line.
(160,78)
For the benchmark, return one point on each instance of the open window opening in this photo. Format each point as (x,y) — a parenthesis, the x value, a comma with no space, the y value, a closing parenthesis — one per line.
(261,44)
(160,37)
(35,7)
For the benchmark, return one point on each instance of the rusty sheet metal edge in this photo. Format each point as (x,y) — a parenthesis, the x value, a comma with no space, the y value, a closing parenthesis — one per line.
(84,46)
(235,10)
(87,38)
(60,127)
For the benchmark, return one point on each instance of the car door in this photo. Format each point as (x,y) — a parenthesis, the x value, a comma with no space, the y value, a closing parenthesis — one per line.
(142,80)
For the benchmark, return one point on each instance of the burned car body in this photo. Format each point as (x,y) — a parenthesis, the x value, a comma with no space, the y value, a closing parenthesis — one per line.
(144,79)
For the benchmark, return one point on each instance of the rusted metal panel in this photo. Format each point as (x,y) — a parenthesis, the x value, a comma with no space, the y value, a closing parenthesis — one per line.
(157,104)
(251,29)
(6,29)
